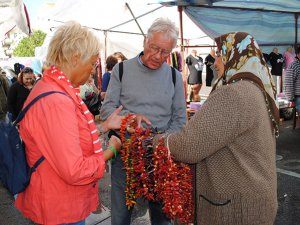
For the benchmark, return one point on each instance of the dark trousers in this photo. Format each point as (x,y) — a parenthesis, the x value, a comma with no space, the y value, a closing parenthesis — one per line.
(120,215)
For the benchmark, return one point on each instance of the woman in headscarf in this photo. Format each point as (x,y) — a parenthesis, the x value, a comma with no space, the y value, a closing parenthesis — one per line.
(231,139)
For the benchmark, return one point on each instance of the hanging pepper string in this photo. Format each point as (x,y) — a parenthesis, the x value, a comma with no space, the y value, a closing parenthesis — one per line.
(152,173)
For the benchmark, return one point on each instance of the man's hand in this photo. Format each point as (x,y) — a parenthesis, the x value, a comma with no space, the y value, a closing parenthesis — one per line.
(137,119)
(141,118)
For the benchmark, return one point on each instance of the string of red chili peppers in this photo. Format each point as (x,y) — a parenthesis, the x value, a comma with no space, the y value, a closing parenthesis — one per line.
(153,174)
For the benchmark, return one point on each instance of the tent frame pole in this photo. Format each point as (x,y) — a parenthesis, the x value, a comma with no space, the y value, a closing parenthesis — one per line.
(184,72)
(296,31)
(133,16)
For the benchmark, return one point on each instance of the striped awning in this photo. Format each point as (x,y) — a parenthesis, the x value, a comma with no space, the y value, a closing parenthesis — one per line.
(271,22)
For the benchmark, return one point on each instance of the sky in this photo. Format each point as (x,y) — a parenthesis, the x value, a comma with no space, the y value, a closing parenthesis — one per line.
(34,8)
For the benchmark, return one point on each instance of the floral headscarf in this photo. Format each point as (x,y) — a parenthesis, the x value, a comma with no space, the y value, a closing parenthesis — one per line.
(242,57)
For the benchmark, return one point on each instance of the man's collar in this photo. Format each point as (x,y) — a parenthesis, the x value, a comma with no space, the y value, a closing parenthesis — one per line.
(141,61)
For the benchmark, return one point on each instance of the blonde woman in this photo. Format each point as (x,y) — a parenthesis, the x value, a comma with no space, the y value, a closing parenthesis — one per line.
(64,188)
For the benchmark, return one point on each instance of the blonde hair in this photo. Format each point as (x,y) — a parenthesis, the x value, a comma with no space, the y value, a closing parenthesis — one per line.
(70,39)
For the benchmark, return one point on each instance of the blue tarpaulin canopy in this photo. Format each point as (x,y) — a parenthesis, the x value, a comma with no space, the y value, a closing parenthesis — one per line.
(271,22)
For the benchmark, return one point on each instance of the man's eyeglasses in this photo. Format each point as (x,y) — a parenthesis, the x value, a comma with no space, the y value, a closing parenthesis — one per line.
(163,52)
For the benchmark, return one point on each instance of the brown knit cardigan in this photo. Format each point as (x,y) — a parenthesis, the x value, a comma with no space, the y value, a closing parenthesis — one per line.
(232,143)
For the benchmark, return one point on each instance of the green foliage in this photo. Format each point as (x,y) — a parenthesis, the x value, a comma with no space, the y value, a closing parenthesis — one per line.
(27,45)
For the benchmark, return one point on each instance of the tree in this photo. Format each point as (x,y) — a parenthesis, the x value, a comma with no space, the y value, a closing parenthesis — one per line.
(27,45)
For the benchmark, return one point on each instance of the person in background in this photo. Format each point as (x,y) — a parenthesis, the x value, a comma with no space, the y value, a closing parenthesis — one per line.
(90,94)
(267,58)
(120,56)
(89,86)
(276,61)
(9,74)
(231,139)
(18,67)
(292,81)
(19,91)
(289,57)
(111,61)
(209,61)
(64,188)
(195,65)
(4,86)
(146,88)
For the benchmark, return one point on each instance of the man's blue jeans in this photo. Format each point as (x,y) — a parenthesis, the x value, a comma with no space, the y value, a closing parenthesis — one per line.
(82,222)
(120,215)
(297,103)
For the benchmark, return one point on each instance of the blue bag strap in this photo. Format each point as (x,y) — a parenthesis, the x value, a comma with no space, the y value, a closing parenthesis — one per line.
(173,75)
(37,163)
(120,71)
(22,113)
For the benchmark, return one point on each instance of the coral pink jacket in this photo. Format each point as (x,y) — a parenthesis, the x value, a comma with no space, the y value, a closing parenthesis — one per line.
(64,188)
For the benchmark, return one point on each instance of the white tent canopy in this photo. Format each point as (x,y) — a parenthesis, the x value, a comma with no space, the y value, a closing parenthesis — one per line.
(13,13)
(115,24)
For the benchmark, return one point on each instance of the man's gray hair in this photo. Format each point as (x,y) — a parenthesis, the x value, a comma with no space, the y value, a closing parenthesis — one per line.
(166,26)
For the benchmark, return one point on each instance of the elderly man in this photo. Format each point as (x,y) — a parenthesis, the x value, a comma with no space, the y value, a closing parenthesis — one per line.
(292,80)
(147,87)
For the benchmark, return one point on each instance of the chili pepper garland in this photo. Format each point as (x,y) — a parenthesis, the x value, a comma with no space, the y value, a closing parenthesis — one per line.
(153,174)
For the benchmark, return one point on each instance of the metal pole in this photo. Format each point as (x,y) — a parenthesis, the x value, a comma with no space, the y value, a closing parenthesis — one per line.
(134,19)
(127,5)
(184,72)
(296,31)
(181,27)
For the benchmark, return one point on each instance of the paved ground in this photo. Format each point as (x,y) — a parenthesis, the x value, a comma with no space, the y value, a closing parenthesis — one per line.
(288,168)
(288,172)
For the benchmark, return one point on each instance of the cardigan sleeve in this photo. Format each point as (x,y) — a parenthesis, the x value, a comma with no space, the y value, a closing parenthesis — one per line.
(214,126)
(290,77)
